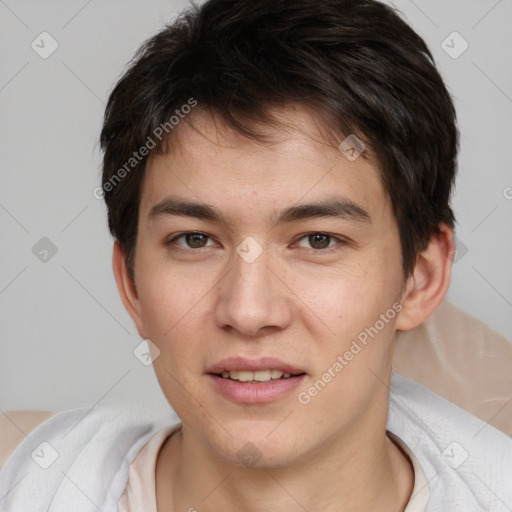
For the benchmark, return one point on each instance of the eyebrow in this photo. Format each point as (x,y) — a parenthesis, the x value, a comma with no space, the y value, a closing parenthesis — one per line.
(337,207)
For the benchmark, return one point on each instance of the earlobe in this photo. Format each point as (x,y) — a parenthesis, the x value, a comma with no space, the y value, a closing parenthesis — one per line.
(428,284)
(126,287)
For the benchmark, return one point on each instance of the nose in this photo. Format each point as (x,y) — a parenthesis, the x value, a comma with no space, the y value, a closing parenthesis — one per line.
(253,297)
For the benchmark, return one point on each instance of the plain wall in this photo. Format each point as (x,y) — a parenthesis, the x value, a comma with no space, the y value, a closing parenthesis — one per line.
(66,340)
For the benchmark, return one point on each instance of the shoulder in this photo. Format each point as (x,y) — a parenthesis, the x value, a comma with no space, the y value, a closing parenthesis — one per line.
(466,461)
(15,427)
(93,447)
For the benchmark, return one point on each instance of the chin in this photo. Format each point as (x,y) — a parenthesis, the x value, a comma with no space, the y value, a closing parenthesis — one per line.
(260,451)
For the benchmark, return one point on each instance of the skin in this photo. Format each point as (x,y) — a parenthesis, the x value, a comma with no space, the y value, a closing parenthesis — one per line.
(297,301)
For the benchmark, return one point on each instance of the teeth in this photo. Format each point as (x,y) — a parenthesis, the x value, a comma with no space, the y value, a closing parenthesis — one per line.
(262,375)
(258,376)
(244,376)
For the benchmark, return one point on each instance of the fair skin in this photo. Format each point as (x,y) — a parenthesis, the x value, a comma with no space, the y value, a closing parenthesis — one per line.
(302,300)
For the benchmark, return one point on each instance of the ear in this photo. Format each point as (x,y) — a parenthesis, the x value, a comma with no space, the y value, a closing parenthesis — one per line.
(426,287)
(126,288)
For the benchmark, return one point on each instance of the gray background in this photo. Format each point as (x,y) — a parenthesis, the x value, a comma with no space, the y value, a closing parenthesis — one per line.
(66,340)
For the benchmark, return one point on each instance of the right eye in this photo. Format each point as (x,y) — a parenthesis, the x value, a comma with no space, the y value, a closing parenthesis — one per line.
(192,239)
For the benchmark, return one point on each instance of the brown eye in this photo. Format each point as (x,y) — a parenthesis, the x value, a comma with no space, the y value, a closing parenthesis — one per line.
(192,240)
(195,240)
(322,242)
(319,240)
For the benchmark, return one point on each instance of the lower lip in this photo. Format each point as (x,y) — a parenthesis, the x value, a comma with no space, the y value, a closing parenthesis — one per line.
(255,393)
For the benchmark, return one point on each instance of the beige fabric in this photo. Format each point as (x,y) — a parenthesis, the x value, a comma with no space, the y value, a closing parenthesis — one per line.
(460,358)
(15,426)
(421,490)
(140,493)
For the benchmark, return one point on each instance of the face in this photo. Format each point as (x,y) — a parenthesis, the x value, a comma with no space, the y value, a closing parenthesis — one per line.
(254,277)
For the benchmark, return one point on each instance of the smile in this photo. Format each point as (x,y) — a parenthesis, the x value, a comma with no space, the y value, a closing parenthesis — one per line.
(256,376)
(253,391)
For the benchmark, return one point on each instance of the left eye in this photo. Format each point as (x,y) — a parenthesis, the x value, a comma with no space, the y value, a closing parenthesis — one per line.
(193,240)
(319,241)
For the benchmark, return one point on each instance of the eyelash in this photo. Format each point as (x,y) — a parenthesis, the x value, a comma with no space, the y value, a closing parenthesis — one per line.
(341,242)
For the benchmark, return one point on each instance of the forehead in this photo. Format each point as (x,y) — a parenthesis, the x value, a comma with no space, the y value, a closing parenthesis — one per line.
(297,131)
(209,161)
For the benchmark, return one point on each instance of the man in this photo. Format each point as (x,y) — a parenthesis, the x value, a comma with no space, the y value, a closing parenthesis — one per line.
(278,178)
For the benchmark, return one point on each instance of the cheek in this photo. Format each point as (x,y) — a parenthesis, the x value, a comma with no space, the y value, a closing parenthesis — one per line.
(345,306)
(158,305)
(169,302)
(351,295)
(167,291)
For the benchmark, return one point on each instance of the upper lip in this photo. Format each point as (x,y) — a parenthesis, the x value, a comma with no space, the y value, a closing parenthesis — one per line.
(261,363)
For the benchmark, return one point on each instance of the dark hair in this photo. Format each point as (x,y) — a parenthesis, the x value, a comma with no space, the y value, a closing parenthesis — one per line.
(355,63)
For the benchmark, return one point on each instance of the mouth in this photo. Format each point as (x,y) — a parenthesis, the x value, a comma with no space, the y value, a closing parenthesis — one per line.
(256,377)
(245,380)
